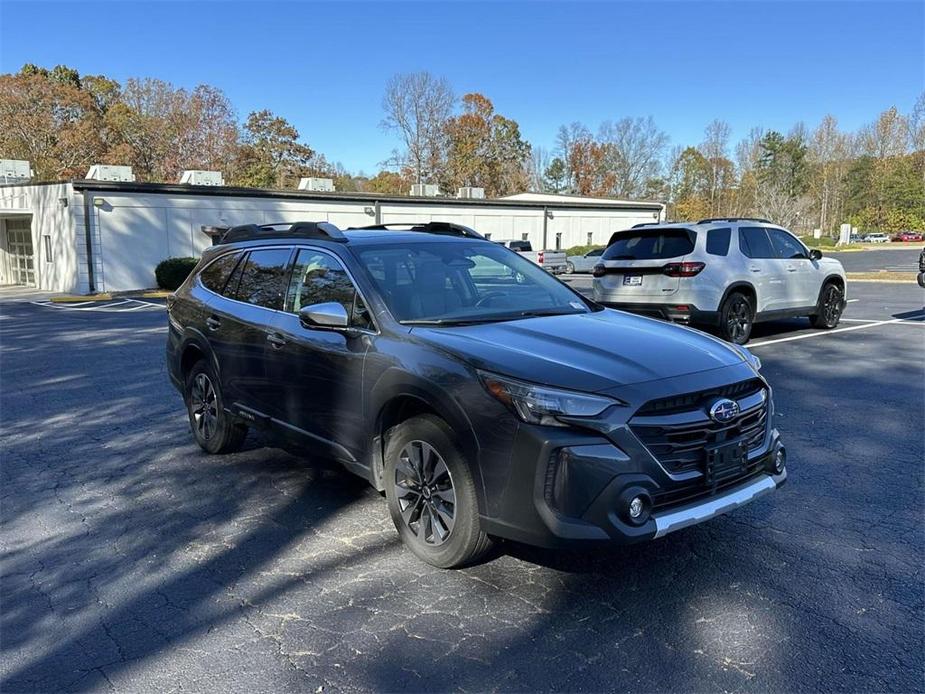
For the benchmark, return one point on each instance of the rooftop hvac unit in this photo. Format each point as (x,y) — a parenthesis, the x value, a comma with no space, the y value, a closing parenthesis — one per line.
(105,172)
(202,178)
(470,193)
(322,185)
(425,190)
(15,170)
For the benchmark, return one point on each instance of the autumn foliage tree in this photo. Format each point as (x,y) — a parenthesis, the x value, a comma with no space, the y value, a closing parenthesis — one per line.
(485,149)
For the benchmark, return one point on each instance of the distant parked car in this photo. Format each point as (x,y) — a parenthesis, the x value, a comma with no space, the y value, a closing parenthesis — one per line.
(584,263)
(551,261)
(907,237)
(876,238)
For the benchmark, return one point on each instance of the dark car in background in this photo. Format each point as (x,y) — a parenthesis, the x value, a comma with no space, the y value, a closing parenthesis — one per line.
(483,396)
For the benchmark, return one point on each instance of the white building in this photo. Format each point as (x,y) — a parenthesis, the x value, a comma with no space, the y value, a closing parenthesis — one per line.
(94,235)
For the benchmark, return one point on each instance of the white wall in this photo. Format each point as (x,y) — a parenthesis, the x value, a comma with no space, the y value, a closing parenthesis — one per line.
(132,232)
(53,219)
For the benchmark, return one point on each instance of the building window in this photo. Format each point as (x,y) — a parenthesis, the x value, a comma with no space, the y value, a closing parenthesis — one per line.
(558,240)
(488,237)
(46,241)
(525,237)
(590,241)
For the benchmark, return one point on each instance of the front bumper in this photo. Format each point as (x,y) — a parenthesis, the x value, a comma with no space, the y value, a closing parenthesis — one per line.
(573,486)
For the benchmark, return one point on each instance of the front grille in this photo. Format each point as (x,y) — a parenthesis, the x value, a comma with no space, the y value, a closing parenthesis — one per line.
(689,401)
(677,437)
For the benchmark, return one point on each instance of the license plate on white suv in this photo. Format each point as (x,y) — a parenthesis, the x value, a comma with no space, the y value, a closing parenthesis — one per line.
(632,280)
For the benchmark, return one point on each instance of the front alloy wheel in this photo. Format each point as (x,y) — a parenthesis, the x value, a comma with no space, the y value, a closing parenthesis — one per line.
(431,493)
(425,493)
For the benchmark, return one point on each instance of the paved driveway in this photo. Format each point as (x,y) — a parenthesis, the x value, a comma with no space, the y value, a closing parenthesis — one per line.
(131,561)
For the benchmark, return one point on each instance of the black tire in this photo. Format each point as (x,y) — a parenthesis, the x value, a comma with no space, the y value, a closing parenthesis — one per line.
(569,268)
(213,428)
(921,279)
(431,494)
(829,308)
(737,316)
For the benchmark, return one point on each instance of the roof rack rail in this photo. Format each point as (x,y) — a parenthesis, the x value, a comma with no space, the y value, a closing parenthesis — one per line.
(248,232)
(735,219)
(447,228)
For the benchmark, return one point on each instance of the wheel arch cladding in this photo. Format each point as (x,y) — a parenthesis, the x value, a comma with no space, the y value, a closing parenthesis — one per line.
(745,288)
(398,401)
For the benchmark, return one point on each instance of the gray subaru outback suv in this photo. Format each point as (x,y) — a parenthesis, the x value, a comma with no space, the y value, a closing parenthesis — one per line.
(483,396)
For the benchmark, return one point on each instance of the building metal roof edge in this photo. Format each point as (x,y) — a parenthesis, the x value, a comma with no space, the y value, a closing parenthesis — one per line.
(370,198)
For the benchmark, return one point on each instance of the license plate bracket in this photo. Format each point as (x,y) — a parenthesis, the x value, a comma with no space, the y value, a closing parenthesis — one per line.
(725,460)
(632,280)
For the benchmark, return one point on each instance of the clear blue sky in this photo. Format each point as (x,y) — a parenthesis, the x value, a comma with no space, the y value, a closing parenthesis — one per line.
(324,65)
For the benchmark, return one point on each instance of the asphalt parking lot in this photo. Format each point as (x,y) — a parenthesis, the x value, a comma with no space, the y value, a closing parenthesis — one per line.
(131,561)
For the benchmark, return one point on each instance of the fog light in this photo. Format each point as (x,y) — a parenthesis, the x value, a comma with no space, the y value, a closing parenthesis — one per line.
(637,506)
(780,460)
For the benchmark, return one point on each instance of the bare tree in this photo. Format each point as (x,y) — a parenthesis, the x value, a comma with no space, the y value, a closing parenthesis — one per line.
(828,152)
(634,148)
(714,148)
(417,106)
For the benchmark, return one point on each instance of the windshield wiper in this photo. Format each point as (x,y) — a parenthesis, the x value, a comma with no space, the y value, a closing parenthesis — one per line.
(454,321)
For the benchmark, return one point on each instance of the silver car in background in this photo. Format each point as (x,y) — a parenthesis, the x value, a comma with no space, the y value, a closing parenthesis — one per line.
(583,263)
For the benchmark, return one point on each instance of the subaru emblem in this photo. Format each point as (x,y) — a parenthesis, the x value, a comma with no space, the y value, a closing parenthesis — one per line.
(724,410)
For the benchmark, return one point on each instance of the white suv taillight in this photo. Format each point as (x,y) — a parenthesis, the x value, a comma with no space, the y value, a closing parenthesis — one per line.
(683,269)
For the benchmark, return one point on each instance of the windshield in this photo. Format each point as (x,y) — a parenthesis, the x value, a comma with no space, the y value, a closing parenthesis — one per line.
(444,283)
(656,244)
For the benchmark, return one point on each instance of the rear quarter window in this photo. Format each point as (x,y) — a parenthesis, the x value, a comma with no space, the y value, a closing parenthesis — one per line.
(718,241)
(216,274)
(655,244)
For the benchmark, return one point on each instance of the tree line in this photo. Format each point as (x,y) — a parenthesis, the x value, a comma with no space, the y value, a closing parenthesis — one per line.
(804,178)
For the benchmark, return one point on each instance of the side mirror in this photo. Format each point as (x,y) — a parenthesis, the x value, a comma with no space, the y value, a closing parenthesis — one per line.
(330,315)
(815,254)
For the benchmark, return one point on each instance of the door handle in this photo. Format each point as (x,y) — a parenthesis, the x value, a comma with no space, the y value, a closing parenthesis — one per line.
(755,269)
(276,340)
(213,323)
(790,268)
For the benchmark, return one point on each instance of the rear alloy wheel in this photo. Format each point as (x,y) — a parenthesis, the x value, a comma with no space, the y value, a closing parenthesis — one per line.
(831,304)
(736,319)
(431,494)
(212,427)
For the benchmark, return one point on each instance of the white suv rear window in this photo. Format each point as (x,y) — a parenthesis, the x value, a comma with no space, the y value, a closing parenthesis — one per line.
(654,244)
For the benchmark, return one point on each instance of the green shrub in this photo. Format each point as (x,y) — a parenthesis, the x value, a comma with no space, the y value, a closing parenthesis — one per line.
(580,250)
(170,273)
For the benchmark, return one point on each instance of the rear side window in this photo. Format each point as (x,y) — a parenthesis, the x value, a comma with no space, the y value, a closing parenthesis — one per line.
(718,241)
(785,246)
(650,245)
(216,274)
(754,243)
(263,278)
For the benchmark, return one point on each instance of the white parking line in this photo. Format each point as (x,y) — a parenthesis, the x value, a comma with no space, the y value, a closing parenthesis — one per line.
(116,307)
(822,333)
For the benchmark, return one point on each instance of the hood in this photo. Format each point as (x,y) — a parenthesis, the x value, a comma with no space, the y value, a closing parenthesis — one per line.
(590,352)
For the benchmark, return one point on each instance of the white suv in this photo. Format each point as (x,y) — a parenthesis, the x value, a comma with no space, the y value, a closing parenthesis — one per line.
(722,273)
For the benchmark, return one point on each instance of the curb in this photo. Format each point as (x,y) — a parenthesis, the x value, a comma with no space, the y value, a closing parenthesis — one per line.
(72,299)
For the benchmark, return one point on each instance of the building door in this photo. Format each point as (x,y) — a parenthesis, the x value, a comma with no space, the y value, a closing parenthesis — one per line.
(19,247)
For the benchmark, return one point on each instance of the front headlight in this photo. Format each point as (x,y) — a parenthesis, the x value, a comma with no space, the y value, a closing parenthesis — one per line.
(536,404)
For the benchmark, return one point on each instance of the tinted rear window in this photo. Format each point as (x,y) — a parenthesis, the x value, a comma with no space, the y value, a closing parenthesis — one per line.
(718,241)
(217,272)
(650,245)
(264,278)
